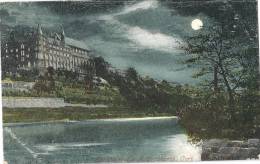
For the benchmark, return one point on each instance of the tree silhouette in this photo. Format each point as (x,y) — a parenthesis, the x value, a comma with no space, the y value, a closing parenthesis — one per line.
(215,51)
(131,73)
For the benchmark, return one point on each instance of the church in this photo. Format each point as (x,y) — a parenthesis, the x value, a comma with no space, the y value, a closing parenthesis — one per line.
(38,50)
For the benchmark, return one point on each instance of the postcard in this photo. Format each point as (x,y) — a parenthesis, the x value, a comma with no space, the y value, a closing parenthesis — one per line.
(129,81)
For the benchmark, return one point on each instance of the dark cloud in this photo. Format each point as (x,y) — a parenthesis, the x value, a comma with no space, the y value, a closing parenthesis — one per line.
(83,7)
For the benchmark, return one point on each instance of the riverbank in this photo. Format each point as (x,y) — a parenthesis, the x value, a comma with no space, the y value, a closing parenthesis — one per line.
(142,119)
(223,149)
(28,115)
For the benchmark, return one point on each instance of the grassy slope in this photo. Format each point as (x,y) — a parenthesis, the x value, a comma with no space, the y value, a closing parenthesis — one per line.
(103,95)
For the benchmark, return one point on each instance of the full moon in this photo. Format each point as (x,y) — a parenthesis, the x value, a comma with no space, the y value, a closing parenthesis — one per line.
(196,24)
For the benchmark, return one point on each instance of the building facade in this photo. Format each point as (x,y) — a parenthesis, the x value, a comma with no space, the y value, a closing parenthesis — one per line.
(37,50)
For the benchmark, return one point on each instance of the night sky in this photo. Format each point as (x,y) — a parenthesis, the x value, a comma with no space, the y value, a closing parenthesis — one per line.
(142,34)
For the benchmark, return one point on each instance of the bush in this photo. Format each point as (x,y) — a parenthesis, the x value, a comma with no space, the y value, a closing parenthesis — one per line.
(209,117)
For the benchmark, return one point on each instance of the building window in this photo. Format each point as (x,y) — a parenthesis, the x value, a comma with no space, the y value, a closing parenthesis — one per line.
(16,50)
(6,51)
(22,46)
(11,50)
(29,49)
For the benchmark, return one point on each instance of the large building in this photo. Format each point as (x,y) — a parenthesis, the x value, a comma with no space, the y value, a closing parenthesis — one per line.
(37,49)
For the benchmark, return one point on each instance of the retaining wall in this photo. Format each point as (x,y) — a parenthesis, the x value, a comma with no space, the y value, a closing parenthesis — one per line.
(32,102)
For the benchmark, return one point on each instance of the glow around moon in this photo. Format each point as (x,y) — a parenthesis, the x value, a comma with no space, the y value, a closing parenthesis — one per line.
(196,24)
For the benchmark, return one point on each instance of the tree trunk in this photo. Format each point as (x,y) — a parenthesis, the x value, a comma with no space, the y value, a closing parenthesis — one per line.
(215,80)
(229,90)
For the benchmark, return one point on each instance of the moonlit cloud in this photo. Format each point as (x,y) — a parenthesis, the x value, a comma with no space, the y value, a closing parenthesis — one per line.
(151,40)
(143,38)
(144,5)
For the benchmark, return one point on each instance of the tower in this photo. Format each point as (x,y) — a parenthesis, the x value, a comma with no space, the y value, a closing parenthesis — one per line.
(39,30)
(39,53)
(12,36)
(62,35)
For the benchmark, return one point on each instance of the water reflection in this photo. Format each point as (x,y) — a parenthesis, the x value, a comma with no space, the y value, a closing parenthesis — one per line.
(182,150)
(144,140)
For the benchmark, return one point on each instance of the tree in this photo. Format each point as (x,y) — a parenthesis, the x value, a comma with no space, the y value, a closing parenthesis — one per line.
(239,18)
(216,50)
(4,13)
(101,67)
(49,79)
(89,81)
(40,86)
(131,73)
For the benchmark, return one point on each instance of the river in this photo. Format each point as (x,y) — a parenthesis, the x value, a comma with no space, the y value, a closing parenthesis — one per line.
(111,140)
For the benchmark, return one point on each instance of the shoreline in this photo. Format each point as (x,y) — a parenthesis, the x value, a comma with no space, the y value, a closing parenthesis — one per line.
(73,114)
(91,120)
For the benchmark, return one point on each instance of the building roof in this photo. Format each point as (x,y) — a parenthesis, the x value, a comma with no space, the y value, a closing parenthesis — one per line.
(25,32)
(76,43)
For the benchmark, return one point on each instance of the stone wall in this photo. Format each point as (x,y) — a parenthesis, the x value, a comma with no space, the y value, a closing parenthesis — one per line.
(216,149)
(32,102)
(17,85)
